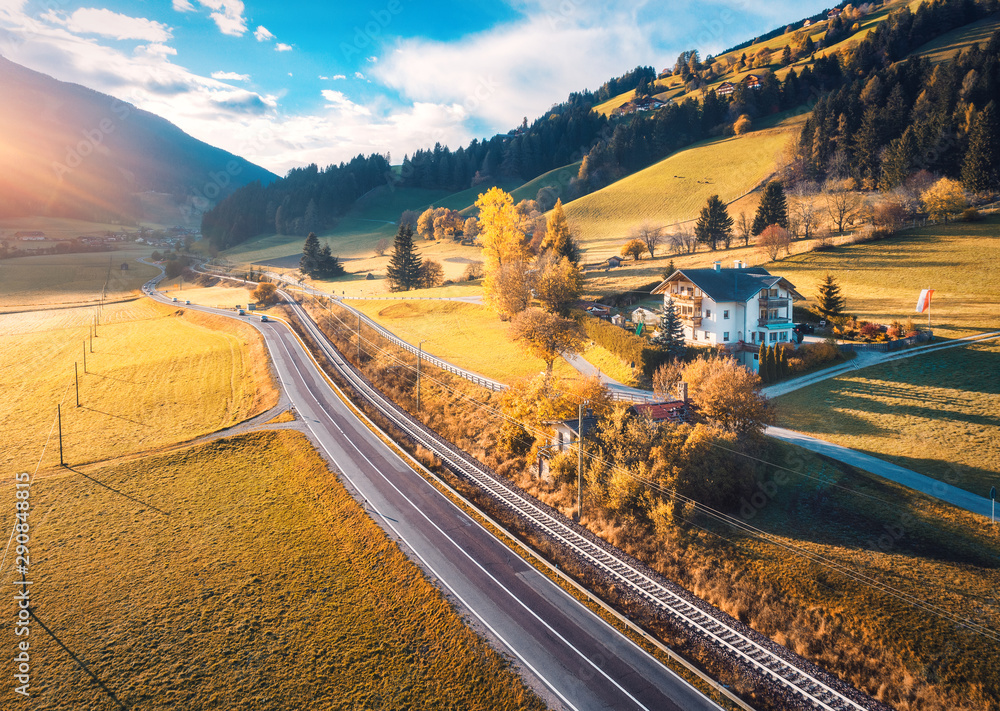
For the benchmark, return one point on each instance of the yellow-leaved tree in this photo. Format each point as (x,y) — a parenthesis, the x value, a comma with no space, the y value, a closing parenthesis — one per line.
(502,241)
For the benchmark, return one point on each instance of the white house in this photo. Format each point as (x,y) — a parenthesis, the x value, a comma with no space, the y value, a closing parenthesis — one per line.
(737,308)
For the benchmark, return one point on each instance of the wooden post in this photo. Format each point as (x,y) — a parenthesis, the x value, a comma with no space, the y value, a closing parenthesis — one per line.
(84,356)
(76,375)
(59,417)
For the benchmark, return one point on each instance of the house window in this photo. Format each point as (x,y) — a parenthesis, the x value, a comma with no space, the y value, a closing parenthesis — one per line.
(706,335)
(756,356)
(725,336)
(708,313)
(783,336)
(694,335)
(773,337)
(725,314)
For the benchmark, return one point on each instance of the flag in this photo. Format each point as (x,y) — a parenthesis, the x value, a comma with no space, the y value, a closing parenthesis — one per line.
(924,302)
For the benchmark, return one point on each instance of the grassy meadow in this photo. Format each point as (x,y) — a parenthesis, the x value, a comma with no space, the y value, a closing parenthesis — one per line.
(882,280)
(57,280)
(935,414)
(158,375)
(675,189)
(238,574)
(947,46)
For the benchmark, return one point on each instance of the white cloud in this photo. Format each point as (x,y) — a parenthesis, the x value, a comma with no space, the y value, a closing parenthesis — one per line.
(359,75)
(282,47)
(372,60)
(155,50)
(344,106)
(263,34)
(183,6)
(338,76)
(230,76)
(99,21)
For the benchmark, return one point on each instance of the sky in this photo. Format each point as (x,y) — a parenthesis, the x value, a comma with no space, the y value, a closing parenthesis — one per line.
(292,83)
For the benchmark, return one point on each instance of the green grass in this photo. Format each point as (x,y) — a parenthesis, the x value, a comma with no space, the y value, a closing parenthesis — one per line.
(558,178)
(934,413)
(947,46)
(238,574)
(467,335)
(674,189)
(71,279)
(882,280)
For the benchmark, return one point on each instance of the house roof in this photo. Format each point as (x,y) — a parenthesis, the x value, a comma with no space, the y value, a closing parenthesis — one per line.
(589,422)
(657,411)
(723,285)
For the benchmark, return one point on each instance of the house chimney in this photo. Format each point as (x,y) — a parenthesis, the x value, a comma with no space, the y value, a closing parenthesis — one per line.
(718,266)
(682,392)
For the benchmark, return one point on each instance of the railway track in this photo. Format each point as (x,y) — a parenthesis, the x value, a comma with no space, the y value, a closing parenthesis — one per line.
(799,681)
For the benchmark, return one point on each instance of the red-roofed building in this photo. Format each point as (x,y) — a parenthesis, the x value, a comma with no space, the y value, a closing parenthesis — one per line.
(674,411)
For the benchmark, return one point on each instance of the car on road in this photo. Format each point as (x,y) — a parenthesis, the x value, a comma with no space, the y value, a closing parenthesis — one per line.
(241,312)
(175,298)
(188,302)
(804,328)
(264,318)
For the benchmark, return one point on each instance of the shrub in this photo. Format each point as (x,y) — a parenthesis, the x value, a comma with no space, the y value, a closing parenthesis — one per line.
(562,467)
(869,331)
(971,215)
(629,347)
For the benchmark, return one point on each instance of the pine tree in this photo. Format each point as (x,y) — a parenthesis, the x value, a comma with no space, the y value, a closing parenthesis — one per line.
(310,261)
(831,303)
(786,56)
(979,169)
(772,365)
(403,272)
(762,362)
(773,209)
(782,362)
(558,237)
(714,225)
(671,332)
(329,265)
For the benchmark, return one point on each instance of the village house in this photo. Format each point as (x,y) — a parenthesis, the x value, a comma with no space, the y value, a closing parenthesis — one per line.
(751,81)
(725,88)
(737,308)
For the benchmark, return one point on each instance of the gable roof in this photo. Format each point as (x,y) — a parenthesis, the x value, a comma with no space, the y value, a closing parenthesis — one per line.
(723,285)
(659,411)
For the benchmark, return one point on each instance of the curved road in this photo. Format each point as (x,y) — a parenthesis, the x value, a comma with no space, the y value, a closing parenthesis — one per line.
(569,655)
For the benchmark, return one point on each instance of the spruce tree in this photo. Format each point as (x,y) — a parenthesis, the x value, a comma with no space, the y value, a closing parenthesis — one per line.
(762,362)
(329,265)
(979,169)
(403,272)
(782,362)
(831,302)
(310,261)
(773,209)
(714,225)
(772,365)
(671,332)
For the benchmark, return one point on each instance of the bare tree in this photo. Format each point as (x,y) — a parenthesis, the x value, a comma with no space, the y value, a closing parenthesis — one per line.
(649,234)
(842,204)
(806,211)
(381,246)
(744,225)
(773,239)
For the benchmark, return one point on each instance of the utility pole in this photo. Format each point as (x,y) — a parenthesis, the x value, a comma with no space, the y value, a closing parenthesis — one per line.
(59,417)
(579,464)
(85,356)
(76,375)
(420,352)
(359,340)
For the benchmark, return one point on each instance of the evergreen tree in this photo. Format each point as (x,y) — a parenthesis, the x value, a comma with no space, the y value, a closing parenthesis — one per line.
(762,362)
(979,170)
(714,225)
(773,209)
(329,265)
(310,261)
(671,332)
(786,56)
(772,365)
(831,303)
(782,362)
(558,237)
(403,272)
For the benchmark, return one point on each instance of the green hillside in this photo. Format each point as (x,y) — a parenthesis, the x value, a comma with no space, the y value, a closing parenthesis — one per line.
(947,46)
(675,189)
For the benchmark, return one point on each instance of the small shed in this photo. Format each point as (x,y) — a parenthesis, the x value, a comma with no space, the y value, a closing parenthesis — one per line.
(124,266)
(645,316)
(614,262)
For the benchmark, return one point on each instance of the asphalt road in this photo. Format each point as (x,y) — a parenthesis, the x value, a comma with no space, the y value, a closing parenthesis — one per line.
(570,656)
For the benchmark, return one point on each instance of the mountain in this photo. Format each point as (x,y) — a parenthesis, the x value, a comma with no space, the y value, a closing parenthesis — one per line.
(69,151)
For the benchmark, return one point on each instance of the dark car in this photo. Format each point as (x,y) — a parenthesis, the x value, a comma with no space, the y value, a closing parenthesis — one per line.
(804,328)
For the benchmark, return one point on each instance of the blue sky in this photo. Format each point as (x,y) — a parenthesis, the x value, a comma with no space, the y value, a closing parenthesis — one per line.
(295,82)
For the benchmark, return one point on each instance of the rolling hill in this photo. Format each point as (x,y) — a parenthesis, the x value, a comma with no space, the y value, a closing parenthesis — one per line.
(69,151)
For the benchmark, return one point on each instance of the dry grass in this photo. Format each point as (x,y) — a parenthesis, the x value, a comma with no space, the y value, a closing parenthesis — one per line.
(947,46)
(467,335)
(52,280)
(675,189)
(158,375)
(935,414)
(882,280)
(224,295)
(238,575)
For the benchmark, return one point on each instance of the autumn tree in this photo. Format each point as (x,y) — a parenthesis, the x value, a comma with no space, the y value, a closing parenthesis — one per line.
(266,294)
(558,236)
(546,335)
(425,224)
(714,224)
(634,248)
(501,239)
(557,283)
(944,199)
(665,379)
(774,239)
(403,272)
(510,290)
(470,229)
(742,125)
(728,395)
(650,235)
(831,302)
(842,204)
(431,274)
(773,208)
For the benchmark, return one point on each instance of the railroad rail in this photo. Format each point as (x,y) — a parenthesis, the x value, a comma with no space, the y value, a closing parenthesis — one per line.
(730,637)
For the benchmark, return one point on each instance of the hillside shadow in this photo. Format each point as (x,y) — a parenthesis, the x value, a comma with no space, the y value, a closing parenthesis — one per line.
(117,417)
(116,491)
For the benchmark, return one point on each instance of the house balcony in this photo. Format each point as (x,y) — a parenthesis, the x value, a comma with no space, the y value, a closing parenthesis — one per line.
(779,321)
(693,321)
(686,298)
(775,302)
